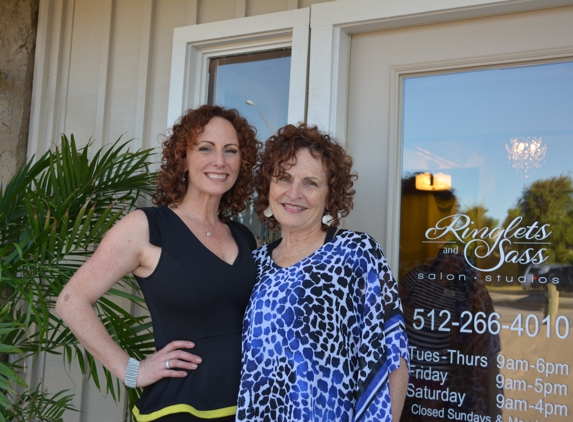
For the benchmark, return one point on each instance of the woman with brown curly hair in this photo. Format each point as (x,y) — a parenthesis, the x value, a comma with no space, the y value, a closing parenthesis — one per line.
(323,335)
(195,269)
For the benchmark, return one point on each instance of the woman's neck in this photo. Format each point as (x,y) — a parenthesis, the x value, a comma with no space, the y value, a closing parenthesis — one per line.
(297,245)
(202,207)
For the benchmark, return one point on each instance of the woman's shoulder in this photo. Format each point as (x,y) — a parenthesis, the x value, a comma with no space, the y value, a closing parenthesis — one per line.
(133,227)
(152,213)
(153,210)
(361,243)
(147,221)
(136,218)
(361,238)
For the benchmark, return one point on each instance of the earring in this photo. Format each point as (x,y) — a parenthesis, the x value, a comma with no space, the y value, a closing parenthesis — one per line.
(268,212)
(327,219)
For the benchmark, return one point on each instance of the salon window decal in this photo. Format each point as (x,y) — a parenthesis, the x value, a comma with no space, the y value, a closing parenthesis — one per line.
(485,270)
(486,241)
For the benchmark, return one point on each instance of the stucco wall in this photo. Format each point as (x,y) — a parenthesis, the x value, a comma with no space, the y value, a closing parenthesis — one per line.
(18,22)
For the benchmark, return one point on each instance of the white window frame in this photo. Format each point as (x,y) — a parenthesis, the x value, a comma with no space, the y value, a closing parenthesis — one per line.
(333,23)
(194,46)
(332,26)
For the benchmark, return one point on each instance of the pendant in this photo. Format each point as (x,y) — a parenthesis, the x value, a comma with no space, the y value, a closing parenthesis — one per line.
(208,234)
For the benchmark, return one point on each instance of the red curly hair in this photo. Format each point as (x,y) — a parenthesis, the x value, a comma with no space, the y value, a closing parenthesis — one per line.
(280,151)
(171,186)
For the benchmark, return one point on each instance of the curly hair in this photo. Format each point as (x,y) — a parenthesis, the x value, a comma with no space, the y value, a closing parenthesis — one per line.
(281,149)
(171,185)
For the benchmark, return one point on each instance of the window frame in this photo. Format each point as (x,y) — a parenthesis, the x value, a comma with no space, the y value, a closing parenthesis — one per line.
(334,23)
(332,26)
(195,45)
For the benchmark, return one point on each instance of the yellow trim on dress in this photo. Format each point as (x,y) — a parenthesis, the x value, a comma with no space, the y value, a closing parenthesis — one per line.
(184,408)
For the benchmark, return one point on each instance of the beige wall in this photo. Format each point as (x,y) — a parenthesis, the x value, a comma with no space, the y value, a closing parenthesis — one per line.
(104,65)
(18,21)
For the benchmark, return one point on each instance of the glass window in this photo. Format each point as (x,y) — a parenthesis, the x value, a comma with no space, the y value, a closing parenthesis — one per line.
(486,243)
(257,85)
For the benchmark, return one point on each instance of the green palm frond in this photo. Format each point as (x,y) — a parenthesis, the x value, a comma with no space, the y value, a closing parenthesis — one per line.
(52,214)
(8,376)
(39,405)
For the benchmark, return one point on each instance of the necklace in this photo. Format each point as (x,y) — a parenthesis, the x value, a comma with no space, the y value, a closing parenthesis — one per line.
(208,233)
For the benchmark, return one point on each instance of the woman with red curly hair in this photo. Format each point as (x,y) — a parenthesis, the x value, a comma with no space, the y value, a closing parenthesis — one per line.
(323,336)
(195,269)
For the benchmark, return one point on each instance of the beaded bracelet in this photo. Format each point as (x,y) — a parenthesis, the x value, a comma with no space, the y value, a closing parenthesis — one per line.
(131,373)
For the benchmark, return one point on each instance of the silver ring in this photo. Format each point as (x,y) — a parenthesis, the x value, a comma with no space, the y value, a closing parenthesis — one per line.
(167,364)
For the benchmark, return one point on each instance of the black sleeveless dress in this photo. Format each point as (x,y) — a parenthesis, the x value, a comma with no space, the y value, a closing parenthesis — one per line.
(194,295)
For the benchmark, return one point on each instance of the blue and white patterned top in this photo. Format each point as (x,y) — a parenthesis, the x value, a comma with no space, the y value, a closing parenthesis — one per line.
(321,337)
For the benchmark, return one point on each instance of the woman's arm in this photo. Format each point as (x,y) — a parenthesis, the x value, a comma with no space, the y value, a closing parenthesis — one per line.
(124,249)
(398,388)
(383,315)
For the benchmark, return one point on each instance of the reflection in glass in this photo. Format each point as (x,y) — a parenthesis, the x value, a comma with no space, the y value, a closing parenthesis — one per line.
(505,136)
(526,153)
(257,85)
(429,181)
(267,124)
(451,376)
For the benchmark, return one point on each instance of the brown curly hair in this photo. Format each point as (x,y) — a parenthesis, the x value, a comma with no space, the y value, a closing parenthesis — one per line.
(171,186)
(281,149)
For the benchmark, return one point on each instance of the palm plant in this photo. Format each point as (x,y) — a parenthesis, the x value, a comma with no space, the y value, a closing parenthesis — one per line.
(52,212)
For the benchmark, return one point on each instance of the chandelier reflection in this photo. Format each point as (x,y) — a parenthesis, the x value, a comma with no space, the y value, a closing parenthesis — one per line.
(526,153)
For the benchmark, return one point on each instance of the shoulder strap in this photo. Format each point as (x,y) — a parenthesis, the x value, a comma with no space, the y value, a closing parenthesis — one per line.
(271,246)
(154,232)
(331,233)
(247,233)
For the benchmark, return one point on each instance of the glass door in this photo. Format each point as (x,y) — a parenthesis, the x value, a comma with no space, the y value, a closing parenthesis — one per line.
(486,243)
